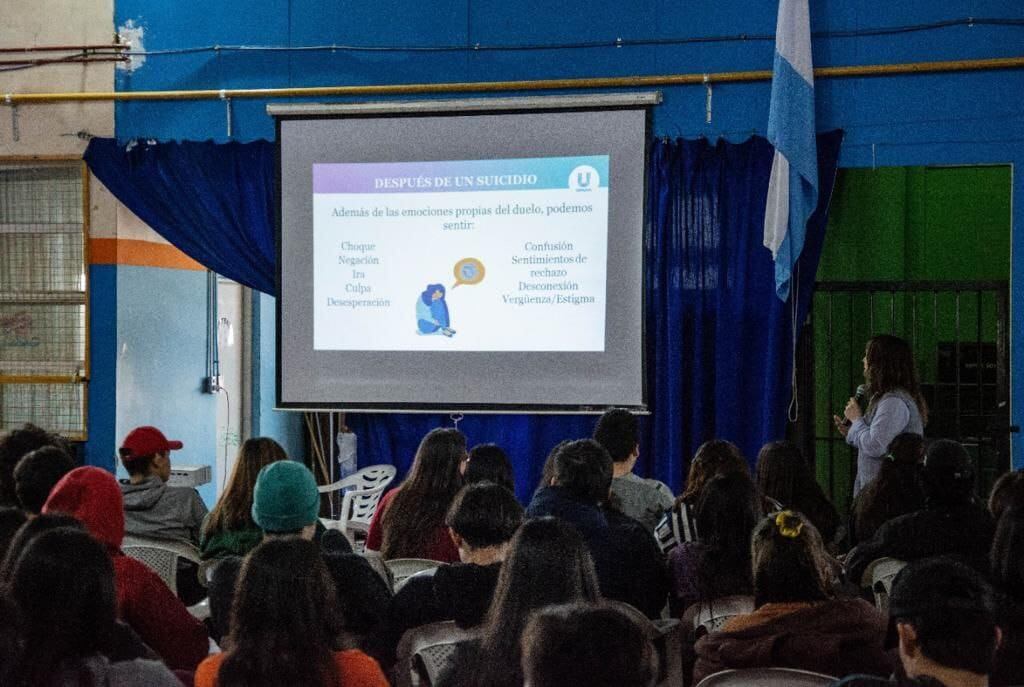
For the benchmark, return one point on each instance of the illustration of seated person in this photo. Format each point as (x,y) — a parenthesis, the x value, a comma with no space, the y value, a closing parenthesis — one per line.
(432,312)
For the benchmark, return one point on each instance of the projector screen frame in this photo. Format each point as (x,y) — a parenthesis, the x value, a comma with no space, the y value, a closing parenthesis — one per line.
(453,108)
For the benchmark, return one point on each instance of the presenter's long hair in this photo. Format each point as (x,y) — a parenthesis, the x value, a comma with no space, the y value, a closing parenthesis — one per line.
(548,563)
(422,501)
(284,619)
(233,511)
(890,367)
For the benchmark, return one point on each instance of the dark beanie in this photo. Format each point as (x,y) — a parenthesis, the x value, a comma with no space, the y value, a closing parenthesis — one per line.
(285,498)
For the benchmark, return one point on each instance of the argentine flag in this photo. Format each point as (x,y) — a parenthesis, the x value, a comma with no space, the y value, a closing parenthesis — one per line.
(793,187)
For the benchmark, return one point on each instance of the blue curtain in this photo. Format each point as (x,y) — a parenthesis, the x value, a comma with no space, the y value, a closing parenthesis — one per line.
(214,202)
(719,357)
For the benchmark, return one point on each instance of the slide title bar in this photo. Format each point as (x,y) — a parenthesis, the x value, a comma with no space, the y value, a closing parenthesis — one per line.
(461,175)
(553,102)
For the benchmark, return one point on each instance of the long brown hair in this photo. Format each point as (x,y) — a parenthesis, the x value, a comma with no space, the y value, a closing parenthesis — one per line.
(422,501)
(548,563)
(233,510)
(890,367)
(715,457)
(284,619)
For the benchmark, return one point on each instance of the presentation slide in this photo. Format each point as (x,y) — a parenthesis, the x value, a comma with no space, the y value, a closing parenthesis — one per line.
(461,255)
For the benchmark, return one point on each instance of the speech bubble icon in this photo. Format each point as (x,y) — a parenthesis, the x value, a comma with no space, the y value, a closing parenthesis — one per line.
(469,271)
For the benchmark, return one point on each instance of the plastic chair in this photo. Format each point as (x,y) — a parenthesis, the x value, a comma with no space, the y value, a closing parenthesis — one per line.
(878,577)
(705,618)
(403,568)
(422,573)
(425,652)
(162,555)
(766,677)
(361,493)
(666,635)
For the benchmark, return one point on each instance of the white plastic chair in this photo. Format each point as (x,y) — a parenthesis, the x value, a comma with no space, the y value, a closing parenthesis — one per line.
(878,577)
(403,568)
(161,556)
(767,677)
(425,652)
(705,618)
(361,493)
(422,573)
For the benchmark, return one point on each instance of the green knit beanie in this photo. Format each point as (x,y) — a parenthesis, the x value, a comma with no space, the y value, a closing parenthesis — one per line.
(285,498)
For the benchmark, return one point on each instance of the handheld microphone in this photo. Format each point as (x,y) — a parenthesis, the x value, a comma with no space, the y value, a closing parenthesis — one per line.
(860,396)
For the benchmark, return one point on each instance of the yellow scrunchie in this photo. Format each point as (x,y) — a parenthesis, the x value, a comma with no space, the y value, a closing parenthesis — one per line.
(788,531)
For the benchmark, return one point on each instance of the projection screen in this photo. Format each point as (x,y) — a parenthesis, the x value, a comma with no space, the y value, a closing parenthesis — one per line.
(475,255)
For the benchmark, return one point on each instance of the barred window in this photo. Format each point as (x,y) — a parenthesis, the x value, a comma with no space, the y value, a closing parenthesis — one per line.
(43,295)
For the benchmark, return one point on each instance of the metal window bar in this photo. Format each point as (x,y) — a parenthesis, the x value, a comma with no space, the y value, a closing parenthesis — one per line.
(44,309)
(964,381)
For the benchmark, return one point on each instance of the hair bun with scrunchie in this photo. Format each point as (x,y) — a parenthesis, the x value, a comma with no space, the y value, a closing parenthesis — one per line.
(789,524)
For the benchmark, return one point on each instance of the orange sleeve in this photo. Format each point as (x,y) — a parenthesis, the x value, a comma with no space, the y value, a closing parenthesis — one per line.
(356,669)
(206,673)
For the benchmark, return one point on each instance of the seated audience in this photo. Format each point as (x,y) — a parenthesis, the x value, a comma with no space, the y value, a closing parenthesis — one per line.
(629,565)
(894,492)
(797,622)
(409,521)
(482,519)
(10,639)
(586,644)
(63,586)
(715,457)
(10,520)
(37,472)
(285,503)
(151,508)
(285,500)
(29,530)
(223,580)
(284,623)
(548,563)
(951,523)
(229,529)
(785,477)
(719,563)
(93,497)
(644,500)
(1007,559)
(547,474)
(1008,490)
(125,644)
(945,620)
(364,597)
(14,445)
(488,463)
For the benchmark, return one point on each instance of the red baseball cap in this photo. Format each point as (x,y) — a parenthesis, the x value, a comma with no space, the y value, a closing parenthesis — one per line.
(145,441)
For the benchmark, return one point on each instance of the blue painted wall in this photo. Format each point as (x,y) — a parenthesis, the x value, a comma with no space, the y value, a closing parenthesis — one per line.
(890,121)
(102,419)
(286,428)
(161,361)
